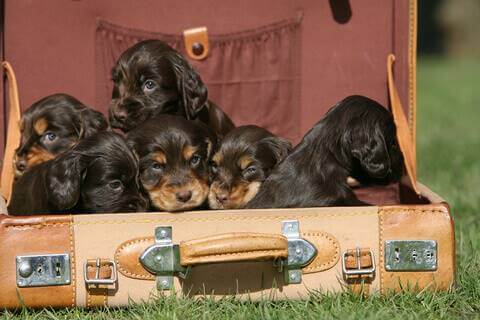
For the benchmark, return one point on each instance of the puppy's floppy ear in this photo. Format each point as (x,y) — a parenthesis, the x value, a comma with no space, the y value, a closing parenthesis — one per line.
(63,181)
(190,86)
(92,122)
(372,153)
(281,147)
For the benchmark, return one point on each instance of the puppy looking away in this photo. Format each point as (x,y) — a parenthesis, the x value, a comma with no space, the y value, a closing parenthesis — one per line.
(356,138)
(152,78)
(51,126)
(174,155)
(243,161)
(99,174)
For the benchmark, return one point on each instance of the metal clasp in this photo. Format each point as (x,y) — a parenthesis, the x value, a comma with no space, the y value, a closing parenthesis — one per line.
(358,270)
(97,280)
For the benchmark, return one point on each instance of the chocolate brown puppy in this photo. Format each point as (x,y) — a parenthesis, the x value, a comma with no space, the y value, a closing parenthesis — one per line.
(51,126)
(99,174)
(174,154)
(244,159)
(152,78)
(356,138)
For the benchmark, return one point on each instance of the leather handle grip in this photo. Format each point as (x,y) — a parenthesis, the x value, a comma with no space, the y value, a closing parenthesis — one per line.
(233,247)
(13,132)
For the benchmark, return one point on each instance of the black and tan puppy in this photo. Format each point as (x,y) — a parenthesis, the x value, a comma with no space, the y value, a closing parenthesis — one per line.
(174,155)
(99,174)
(51,126)
(243,161)
(152,78)
(357,138)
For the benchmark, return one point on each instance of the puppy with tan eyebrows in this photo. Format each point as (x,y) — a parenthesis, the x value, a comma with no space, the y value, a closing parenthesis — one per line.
(174,154)
(244,160)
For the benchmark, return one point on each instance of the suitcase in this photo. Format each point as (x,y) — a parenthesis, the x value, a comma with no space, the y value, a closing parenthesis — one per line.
(298,56)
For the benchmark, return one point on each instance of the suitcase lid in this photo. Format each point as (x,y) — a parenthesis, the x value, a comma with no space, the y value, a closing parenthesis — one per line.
(297,57)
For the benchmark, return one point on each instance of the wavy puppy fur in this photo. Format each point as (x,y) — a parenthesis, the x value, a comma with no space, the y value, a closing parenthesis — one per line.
(51,126)
(99,174)
(152,78)
(174,155)
(244,159)
(356,138)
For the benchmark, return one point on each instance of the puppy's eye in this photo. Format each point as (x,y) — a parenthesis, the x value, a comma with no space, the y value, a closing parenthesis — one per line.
(157,166)
(149,86)
(249,172)
(49,137)
(195,160)
(116,185)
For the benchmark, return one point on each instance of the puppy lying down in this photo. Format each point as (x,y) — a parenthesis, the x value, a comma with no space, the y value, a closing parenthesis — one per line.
(51,126)
(356,138)
(99,174)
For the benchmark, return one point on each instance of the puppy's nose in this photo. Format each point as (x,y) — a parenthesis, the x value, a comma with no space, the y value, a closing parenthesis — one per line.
(184,196)
(222,197)
(120,116)
(21,164)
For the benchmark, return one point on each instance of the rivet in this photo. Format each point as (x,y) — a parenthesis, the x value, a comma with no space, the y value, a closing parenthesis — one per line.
(158,258)
(163,233)
(293,276)
(25,269)
(164,283)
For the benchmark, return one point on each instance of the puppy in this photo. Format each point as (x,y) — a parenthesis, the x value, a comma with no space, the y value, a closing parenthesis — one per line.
(356,138)
(174,155)
(243,161)
(51,126)
(99,174)
(152,78)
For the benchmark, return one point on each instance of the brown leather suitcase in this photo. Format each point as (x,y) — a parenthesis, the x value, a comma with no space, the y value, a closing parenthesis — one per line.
(279,64)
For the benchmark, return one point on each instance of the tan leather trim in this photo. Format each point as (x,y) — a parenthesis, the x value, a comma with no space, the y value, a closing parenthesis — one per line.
(196,37)
(328,251)
(428,222)
(403,134)
(35,235)
(127,258)
(412,75)
(239,246)
(13,132)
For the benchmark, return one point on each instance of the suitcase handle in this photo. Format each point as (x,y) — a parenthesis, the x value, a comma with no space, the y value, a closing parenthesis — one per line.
(237,246)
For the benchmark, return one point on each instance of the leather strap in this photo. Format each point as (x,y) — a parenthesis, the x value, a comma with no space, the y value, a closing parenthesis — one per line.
(404,137)
(13,132)
(196,43)
(97,295)
(359,284)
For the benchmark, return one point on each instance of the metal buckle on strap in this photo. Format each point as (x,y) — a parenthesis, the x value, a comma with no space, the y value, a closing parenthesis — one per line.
(358,270)
(97,280)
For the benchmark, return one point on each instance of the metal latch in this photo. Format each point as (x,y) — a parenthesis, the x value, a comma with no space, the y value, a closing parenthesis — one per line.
(43,270)
(410,255)
(300,252)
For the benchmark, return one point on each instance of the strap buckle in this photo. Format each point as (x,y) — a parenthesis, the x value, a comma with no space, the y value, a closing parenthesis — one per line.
(358,270)
(97,280)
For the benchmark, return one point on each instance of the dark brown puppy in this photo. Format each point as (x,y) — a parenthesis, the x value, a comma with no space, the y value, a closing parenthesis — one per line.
(152,78)
(99,174)
(243,161)
(174,155)
(51,126)
(357,137)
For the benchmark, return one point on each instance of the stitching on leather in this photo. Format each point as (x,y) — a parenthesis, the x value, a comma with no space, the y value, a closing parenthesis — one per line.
(39,225)
(187,260)
(411,45)
(380,239)
(335,256)
(119,252)
(72,261)
(190,243)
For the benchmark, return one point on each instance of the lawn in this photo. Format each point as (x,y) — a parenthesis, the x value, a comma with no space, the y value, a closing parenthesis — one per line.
(449,162)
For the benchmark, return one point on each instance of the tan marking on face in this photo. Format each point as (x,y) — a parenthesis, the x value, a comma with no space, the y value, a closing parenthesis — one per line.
(209,147)
(188,152)
(37,155)
(238,198)
(160,157)
(121,89)
(163,195)
(21,125)
(244,162)
(40,126)
(217,158)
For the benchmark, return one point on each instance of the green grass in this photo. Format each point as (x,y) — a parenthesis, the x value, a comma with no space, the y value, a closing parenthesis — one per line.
(449,162)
